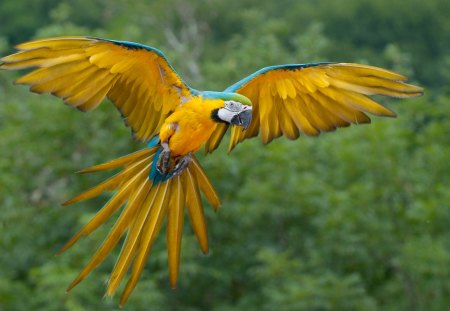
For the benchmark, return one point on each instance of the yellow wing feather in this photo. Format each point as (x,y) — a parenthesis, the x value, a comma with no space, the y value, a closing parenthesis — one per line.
(83,71)
(310,99)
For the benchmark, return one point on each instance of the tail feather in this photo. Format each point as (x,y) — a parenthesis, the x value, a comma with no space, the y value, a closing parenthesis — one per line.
(124,161)
(195,211)
(110,207)
(205,184)
(130,245)
(116,232)
(111,183)
(175,222)
(148,235)
(145,204)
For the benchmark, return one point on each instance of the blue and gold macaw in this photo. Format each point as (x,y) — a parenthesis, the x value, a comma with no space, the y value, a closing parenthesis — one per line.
(175,121)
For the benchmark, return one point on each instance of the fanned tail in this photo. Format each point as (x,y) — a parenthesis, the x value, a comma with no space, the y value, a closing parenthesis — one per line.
(144,207)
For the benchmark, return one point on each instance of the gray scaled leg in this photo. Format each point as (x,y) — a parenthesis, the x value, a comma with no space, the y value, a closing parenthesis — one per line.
(182,164)
(164,159)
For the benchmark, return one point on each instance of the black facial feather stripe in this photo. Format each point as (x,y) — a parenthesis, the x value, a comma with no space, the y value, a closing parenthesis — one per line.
(215,116)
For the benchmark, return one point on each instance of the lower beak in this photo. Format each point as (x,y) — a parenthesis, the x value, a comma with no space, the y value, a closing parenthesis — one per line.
(243,119)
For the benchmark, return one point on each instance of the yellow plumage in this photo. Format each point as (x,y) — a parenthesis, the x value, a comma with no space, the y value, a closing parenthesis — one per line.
(143,209)
(83,71)
(286,100)
(175,221)
(316,99)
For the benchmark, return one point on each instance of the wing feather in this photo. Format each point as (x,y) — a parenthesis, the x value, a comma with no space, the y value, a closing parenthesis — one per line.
(339,107)
(45,74)
(84,70)
(81,97)
(97,97)
(313,98)
(298,116)
(331,114)
(54,43)
(323,118)
(216,137)
(287,125)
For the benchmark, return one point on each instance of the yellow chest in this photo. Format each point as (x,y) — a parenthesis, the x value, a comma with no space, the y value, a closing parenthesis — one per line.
(190,126)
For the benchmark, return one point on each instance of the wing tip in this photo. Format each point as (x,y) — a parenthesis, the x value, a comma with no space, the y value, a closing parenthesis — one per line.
(30,45)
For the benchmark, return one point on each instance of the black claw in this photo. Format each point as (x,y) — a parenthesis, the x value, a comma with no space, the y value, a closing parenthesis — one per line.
(164,160)
(182,164)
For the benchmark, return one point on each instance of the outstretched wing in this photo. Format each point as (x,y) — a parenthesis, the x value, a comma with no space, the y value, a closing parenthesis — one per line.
(310,99)
(84,70)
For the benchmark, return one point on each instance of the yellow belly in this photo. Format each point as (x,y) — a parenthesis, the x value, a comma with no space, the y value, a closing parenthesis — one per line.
(189,137)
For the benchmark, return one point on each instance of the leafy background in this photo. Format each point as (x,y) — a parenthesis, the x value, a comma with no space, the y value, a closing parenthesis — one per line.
(355,220)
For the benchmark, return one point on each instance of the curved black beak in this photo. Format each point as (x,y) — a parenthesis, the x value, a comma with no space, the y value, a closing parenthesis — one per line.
(243,118)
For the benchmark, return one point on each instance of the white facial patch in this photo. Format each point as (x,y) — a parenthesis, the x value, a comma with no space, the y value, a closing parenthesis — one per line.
(233,106)
(230,109)
(225,114)
(231,112)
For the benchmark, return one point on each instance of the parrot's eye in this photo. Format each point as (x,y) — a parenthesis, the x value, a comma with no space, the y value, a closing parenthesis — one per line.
(233,106)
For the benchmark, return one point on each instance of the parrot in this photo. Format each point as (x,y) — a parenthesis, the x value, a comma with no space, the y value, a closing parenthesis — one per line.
(160,182)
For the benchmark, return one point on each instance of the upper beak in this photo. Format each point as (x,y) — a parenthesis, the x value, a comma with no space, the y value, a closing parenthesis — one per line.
(243,118)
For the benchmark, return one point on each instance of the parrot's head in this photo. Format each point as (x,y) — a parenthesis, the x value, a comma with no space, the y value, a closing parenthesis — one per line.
(234,113)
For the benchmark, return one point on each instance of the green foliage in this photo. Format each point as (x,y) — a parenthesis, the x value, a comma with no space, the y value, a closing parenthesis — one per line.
(354,220)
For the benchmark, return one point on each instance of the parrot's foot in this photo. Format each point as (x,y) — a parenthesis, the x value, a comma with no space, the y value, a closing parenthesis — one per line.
(182,164)
(164,159)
